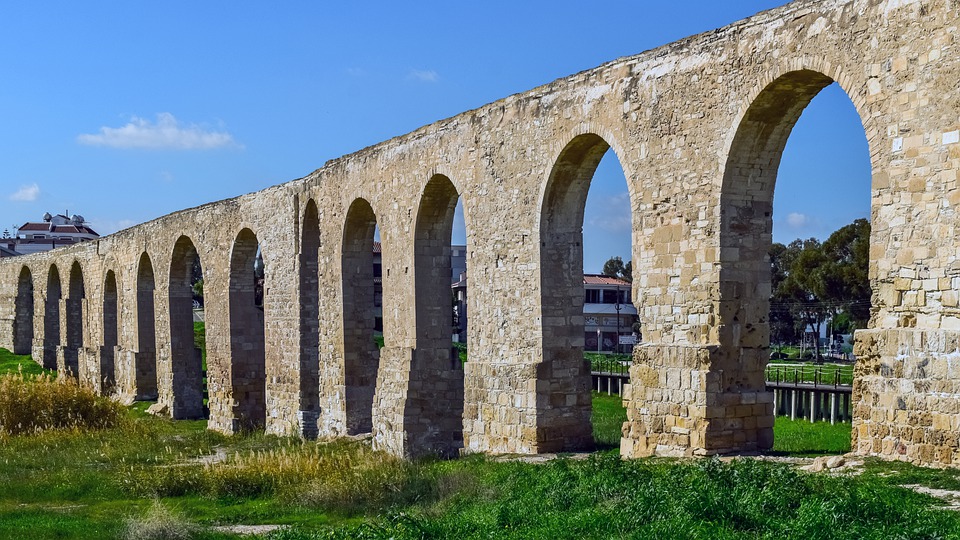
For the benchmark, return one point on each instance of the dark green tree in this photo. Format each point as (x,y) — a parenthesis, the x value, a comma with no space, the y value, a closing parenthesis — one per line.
(845,275)
(812,282)
(614,267)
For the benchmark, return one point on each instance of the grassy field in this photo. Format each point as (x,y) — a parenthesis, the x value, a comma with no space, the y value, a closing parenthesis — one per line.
(12,363)
(144,478)
(803,438)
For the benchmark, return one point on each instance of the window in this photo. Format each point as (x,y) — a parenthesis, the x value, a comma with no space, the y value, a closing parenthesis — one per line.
(609,296)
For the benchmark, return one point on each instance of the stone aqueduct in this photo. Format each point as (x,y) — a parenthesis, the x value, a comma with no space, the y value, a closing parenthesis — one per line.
(698,126)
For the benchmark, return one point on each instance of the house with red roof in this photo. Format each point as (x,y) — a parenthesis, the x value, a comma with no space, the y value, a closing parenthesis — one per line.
(54,231)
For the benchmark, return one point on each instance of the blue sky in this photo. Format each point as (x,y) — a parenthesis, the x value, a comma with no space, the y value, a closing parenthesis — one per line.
(126,111)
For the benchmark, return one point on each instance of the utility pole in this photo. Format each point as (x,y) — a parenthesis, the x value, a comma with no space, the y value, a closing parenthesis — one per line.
(618,319)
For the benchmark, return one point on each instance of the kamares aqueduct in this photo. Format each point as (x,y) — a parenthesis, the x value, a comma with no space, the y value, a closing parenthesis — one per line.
(698,126)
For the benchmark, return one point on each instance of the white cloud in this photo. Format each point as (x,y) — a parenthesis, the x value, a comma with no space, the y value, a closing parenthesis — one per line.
(611,214)
(796,220)
(26,193)
(429,75)
(166,133)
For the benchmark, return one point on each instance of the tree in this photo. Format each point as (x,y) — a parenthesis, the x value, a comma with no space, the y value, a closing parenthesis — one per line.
(615,268)
(799,286)
(846,275)
(811,282)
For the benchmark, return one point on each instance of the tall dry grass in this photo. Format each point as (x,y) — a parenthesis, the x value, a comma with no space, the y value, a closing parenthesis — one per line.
(339,476)
(159,523)
(30,405)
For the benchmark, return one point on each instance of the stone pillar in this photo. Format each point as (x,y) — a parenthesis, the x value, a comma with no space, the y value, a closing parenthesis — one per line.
(906,395)
(418,406)
(680,404)
(187,380)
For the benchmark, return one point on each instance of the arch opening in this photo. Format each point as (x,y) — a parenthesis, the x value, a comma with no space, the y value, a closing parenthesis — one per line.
(51,319)
(76,294)
(436,378)
(247,299)
(108,370)
(186,358)
(145,357)
(309,265)
(574,303)
(776,292)
(360,275)
(23,313)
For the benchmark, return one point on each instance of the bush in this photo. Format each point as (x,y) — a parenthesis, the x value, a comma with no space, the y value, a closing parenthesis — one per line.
(159,523)
(35,404)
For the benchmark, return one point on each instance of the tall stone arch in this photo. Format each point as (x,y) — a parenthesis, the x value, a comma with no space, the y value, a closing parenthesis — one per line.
(23,313)
(433,415)
(73,322)
(360,356)
(563,399)
(186,362)
(308,259)
(111,332)
(51,319)
(145,357)
(247,336)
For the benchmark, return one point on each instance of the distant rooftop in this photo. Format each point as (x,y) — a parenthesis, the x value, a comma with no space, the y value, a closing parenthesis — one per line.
(600,279)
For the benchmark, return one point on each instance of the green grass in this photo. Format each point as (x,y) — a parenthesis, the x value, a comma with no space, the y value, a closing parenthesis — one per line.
(143,475)
(803,438)
(200,340)
(608,418)
(14,363)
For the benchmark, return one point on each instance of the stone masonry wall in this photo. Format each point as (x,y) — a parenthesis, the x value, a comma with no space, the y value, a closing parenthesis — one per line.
(698,127)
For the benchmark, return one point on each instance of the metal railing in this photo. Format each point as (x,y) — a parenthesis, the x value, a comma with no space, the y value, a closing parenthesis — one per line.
(823,375)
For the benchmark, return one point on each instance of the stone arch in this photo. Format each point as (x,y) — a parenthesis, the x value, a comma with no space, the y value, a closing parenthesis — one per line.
(563,422)
(745,236)
(361,358)
(145,364)
(436,376)
(247,336)
(23,313)
(309,265)
(76,294)
(51,318)
(186,362)
(111,332)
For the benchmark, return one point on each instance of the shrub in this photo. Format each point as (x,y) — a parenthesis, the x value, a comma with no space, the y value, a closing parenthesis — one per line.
(35,404)
(159,523)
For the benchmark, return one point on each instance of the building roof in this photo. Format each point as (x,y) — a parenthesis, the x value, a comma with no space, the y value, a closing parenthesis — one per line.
(57,229)
(4,252)
(600,279)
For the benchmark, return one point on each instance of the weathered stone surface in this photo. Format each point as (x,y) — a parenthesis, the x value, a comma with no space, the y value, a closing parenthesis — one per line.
(698,126)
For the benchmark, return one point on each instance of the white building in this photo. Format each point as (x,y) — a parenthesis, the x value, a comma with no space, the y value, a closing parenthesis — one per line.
(608,314)
(53,231)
